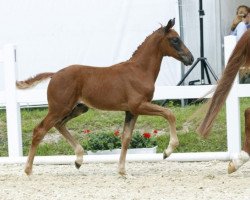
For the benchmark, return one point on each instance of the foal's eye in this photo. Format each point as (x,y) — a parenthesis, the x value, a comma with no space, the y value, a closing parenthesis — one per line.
(175,40)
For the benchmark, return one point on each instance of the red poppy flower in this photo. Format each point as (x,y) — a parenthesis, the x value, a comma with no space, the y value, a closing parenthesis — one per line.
(146,135)
(116,133)
(155,131)
(86,131)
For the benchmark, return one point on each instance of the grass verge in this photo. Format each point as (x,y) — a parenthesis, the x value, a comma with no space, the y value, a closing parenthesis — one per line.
(102,121)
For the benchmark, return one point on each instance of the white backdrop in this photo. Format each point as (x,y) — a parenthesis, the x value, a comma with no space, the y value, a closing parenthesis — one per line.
(51,35)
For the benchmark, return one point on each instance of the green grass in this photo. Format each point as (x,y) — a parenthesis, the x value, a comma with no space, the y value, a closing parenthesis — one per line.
(102,121)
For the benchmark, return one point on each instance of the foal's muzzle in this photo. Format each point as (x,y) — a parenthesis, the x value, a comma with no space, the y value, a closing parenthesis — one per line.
(187,59)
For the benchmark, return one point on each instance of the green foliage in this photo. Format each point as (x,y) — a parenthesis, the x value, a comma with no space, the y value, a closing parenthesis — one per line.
(59,148)
(109,141)
(3,134)
(191,142)
(102,125)
(139,141)
(101,141)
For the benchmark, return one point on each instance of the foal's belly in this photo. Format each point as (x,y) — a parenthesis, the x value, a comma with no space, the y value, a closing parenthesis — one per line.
(105,102)
(106,105)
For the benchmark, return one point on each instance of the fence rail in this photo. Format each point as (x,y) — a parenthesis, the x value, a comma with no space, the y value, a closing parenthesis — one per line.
(12,98)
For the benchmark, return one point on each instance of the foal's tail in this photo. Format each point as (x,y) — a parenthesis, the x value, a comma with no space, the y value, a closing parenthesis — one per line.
(239,58)
(33,80)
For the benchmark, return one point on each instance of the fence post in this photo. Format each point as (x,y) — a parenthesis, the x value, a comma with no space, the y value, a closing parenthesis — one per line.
(232,106)
(13,115)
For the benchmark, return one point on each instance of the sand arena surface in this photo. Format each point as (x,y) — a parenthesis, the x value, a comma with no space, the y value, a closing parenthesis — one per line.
(157,180)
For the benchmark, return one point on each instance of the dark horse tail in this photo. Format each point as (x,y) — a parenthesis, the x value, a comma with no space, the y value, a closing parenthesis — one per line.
(33,80)
(239,58)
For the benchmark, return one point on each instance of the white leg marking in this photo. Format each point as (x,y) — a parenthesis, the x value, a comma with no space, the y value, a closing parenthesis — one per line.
(171,146)
(243,157)
(79,154)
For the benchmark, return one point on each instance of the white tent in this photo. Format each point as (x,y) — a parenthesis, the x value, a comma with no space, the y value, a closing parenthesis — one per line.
(51,35)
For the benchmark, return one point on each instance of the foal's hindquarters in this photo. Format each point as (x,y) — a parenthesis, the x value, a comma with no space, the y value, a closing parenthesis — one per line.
(63,105)
(243,156)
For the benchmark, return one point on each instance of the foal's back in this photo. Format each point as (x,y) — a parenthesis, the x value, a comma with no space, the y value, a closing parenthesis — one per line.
(98,87)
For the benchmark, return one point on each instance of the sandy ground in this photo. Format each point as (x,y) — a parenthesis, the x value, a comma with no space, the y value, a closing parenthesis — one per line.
(158,180)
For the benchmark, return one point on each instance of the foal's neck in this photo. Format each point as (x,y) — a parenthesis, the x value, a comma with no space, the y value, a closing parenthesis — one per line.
(148,54)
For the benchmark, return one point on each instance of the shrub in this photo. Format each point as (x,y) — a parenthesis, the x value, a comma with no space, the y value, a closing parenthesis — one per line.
(101,141)
(112,140)
(145,140)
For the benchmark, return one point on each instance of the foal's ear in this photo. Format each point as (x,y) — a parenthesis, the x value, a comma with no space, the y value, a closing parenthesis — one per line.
(170,24)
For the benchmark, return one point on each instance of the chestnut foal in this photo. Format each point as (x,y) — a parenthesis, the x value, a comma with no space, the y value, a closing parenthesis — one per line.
(239,60)
(127,86)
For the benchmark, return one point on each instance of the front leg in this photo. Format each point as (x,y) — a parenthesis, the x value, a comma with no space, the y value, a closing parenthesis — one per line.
(147,108)
(126,137)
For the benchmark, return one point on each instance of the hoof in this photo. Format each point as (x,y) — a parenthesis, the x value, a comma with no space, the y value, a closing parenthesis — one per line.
(231,168)
(77,165)
(28,171)
(122,173)
(165,155)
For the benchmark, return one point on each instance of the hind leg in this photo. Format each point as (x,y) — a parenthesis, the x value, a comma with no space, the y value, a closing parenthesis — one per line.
(74,143)
(42,128)
(38,134)
(243,156)
(126,137)
(246,147)
(78,110)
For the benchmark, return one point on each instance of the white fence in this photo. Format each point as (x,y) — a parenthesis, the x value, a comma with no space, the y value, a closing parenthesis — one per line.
(12,98)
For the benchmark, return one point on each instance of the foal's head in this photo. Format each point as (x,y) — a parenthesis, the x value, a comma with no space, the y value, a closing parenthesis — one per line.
(171,45)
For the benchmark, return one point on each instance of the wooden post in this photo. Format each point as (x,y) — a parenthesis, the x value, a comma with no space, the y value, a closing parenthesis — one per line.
(232,106)
(12,106)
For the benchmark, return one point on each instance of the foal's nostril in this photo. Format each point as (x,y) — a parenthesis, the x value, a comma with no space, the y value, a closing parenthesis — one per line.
(187,58)
(192,59)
